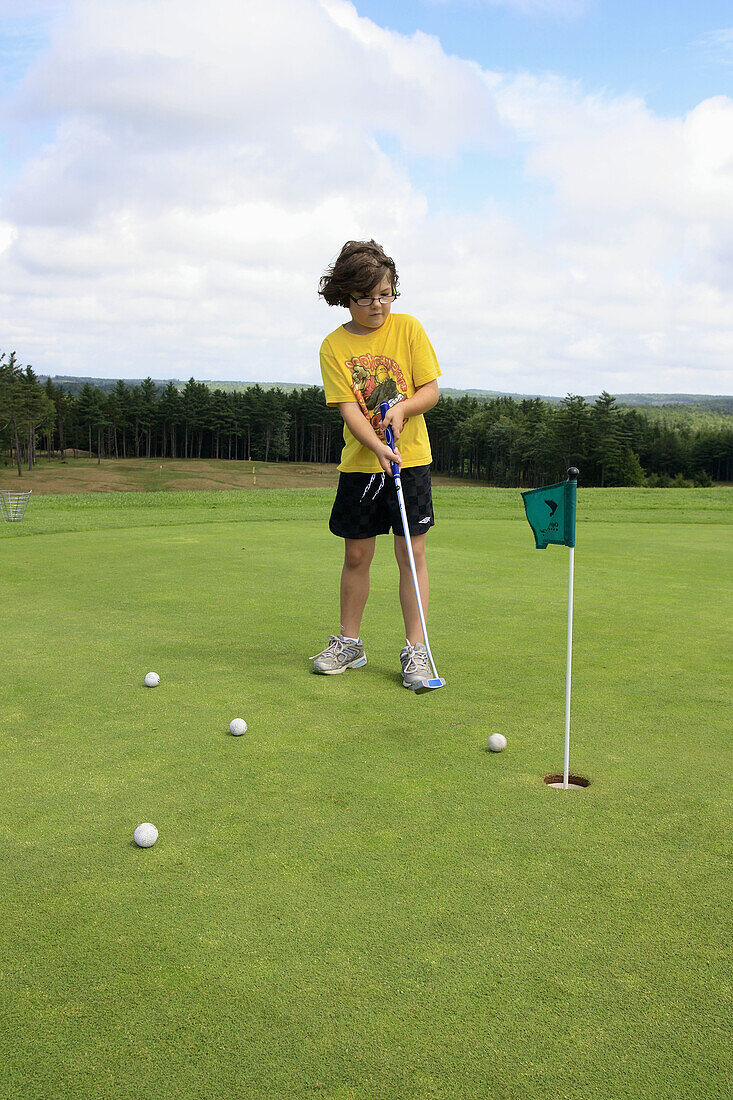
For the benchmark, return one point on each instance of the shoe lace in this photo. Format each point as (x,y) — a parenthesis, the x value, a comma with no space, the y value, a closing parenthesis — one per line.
(334,647)
(416,661)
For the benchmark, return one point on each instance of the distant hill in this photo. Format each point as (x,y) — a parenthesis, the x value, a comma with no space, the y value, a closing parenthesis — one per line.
(237,387)
(720,404)
(74,384)
(717,403)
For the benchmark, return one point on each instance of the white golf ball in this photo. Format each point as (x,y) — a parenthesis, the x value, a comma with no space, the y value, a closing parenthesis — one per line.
(238,726)
(145,835)
(497,742)
(152,679)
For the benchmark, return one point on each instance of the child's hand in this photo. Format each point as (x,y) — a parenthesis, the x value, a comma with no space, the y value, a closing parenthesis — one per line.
(386,456)
(396,420)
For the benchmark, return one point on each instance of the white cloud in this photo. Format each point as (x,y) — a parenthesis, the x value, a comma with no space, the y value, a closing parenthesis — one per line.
(207,164)
(412,88)
(8,234)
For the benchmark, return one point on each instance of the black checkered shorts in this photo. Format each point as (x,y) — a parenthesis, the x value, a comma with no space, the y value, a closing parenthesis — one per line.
(367,505)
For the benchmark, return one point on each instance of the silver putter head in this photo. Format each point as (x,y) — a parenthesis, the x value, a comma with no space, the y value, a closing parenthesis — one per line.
(428,685)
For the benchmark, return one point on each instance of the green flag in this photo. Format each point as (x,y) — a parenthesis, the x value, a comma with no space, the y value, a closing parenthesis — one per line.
(551,513)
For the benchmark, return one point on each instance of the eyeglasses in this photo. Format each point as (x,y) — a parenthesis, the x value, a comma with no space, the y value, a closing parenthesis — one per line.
(384,300)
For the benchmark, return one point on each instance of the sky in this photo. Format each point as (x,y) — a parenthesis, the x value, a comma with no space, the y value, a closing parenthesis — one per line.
(554,179)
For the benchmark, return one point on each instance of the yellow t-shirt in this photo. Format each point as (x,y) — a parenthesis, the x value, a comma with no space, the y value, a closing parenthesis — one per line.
(395,358)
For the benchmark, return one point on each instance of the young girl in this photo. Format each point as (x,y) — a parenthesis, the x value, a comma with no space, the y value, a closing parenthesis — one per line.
(377,356)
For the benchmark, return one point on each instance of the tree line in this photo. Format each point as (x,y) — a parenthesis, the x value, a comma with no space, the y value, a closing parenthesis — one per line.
(500,441)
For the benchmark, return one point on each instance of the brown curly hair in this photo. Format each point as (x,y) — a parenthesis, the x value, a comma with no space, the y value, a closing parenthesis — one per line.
(359,267)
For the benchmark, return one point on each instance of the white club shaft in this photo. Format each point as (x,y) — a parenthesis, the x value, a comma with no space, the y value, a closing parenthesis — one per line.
(568,672)
(406,531)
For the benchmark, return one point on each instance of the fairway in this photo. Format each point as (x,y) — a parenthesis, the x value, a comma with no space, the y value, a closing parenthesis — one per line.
(355,900)
(82,475)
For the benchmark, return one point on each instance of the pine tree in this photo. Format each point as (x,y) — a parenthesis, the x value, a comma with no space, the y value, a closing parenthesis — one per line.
(607,446)
(170,410)
(11,399)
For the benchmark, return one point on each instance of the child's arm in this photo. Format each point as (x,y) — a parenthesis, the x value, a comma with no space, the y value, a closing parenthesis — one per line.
(422,399)
(360,427)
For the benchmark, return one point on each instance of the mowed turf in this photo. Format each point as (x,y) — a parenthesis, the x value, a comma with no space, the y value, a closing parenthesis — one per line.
(151,475)
(355,899)
(84,474)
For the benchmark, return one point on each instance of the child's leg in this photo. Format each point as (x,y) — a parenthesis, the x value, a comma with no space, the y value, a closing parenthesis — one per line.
(355,583)
(413,629)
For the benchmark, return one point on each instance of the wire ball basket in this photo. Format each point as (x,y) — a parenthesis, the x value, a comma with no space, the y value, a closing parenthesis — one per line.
(13,505)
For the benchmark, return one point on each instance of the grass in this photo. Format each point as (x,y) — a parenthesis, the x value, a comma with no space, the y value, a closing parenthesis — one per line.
(84,474)
(355,900)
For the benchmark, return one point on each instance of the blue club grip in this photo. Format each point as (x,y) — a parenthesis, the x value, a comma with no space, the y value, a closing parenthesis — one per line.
(383,410)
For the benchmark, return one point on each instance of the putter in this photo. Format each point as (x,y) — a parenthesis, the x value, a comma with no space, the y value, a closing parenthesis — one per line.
(435,681)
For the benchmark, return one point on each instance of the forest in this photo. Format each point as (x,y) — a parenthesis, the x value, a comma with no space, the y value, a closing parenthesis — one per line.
(502,441)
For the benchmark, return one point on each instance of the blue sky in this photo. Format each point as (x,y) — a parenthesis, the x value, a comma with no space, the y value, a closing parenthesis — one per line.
(666,51)
(554,178)
(672,54)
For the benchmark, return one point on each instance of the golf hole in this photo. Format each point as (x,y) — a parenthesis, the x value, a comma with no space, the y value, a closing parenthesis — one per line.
(575,782)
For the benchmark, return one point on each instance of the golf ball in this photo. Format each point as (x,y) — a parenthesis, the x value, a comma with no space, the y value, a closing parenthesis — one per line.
(497,742)
(145,835)
(152,679)
(238,726)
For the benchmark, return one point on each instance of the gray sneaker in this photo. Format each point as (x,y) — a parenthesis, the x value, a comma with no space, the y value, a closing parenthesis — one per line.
(414,661)
(339,655)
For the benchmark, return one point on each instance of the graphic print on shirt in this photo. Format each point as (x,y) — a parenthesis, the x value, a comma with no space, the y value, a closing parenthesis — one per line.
(376,378)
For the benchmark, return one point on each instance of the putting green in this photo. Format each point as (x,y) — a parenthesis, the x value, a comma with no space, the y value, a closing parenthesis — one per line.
(355,899)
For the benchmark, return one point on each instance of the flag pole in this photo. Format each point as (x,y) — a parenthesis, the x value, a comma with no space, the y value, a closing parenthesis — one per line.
(568,672)
(572,474)
(551,512)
